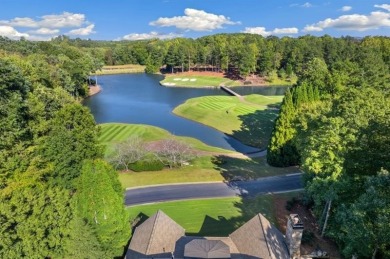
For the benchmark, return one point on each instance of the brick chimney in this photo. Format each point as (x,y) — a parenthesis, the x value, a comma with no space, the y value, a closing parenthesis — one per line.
(294,235)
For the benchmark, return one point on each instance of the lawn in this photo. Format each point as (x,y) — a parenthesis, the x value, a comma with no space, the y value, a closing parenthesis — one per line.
(206,169)
(197,81)
(212,217)
(250,121)
(121,69)
(200,170)
(112,133)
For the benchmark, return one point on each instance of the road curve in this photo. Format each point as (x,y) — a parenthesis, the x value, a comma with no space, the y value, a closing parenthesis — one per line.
(163,193)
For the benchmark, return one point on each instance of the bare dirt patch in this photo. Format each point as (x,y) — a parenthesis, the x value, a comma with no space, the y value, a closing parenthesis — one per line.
(94,89)
(199,73)
(310,224)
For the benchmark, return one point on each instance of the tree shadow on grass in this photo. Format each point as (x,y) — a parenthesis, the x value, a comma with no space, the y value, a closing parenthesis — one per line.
(248,207)
(235,168)
(256,128)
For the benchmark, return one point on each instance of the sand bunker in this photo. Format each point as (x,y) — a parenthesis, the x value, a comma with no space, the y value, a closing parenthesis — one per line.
(185,79)
(193,79)
(177,79)
(169,84)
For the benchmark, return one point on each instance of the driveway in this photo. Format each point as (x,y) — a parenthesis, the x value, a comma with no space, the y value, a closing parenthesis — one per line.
(172,192)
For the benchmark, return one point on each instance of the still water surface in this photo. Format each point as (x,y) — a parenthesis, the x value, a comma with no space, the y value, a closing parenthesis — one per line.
(139,99)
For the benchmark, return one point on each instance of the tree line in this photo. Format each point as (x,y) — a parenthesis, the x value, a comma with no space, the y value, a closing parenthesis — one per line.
(59,198)
(335,124)
(240,53)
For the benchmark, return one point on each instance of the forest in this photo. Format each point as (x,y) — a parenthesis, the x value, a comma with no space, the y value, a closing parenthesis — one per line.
(334,123)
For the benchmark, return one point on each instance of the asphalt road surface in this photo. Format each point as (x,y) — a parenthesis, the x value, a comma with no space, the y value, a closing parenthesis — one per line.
(212,190)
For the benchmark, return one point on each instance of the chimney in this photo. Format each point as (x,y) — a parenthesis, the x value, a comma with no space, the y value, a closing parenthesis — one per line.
(294,235)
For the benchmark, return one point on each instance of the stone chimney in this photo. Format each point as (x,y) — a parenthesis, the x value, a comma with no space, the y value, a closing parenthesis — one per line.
(294,235)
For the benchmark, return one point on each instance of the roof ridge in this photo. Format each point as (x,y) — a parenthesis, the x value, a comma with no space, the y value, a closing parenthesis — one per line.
(265,238)
(153,229)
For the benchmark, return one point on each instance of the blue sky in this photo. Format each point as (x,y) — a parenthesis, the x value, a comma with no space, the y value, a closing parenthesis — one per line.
(143,19)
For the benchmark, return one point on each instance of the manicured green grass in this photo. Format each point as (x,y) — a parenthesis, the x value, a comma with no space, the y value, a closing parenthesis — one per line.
(250,121)
(249,169)
(206,169)
(121,69)
(264,100)
(212,217)
(197,81)
(200,170)
(112,133)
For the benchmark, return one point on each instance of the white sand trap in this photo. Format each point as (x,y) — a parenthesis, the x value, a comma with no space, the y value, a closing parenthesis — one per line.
(177,79)
(185,79)
(193,79)
(169,84)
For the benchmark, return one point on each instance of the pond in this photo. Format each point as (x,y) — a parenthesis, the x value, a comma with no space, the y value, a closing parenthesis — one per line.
(140,99)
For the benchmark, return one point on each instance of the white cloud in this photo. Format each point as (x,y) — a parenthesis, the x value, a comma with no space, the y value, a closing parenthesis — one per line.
(20,22)
(45,31)
(262,31)
(383,6)
(291,30)
(356,22)
(10,32)
(307,5)
(310,28)
(196,20)
(64,20)
(83,31)
(257,30)
(151,35)
(346,8)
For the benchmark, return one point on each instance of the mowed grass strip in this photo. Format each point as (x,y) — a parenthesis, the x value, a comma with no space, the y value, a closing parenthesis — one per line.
(202,169)
(213,217)
(264,100)
(206,169)
(112,133)
(196,81)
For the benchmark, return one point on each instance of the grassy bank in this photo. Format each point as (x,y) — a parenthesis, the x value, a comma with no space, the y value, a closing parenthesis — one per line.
(112,133)
(196,81)
(213,217)
(250,121)
(206,169)
(121,69)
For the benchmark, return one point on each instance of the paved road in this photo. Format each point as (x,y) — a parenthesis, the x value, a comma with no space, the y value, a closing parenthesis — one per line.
(210,190)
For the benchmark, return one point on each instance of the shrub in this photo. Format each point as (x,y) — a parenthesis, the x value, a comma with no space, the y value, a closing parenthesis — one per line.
(290,203)
(307,237)
(141,166)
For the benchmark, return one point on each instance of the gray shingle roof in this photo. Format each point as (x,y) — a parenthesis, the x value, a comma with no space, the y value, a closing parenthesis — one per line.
(156,236)
(202,248)
(258,238)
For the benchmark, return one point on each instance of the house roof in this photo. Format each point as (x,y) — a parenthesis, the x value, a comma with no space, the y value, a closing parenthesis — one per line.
(203,248)
(156,236)
(161,237)
(258,238)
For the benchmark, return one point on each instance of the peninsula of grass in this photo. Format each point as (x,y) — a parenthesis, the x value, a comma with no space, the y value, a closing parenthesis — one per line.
(112,133)
(250,120)
(121,69)
(197,81)
(213,217)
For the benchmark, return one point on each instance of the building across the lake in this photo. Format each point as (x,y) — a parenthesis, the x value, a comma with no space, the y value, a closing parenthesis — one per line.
(161,237)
